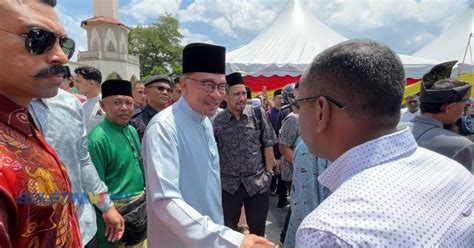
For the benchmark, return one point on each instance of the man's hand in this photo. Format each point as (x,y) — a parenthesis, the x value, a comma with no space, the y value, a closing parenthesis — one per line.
(114,224)
(278,166)
(252,240)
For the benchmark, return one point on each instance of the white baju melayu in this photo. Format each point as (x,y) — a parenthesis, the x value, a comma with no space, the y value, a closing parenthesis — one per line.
(184,203)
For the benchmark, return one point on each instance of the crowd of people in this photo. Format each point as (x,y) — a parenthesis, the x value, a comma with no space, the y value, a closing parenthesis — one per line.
(193,161)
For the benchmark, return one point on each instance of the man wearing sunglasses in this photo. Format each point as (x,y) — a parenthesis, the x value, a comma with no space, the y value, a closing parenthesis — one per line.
(182,161)
(158,94)
(442,103)
(412,109)
(385,190)
(35,208)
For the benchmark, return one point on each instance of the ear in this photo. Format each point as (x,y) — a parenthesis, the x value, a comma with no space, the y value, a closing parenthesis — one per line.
(226,97)
(445,108)
(323,114)
(183,85)
(102,104)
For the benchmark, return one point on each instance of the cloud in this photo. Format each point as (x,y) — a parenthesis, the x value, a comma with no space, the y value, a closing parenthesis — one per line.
(232,18)
(419,39)
(189,37)
(72,25)
(366,15)
(142,10)
(404,25)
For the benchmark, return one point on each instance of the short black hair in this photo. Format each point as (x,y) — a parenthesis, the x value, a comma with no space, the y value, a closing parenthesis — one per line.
(175,81)
(364,75)
(89,73)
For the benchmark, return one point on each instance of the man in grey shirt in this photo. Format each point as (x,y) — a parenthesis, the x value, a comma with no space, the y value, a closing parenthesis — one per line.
(60,120)
(442,104)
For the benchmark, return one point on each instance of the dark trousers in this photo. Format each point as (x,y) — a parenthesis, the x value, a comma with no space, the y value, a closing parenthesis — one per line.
(276,178)
(94,243)
(282,191)
(287,218)
(256,209)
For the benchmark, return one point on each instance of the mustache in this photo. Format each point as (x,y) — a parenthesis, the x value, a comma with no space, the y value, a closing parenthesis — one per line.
(53,70)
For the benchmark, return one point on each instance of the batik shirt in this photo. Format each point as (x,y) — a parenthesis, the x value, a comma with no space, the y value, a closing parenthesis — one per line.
(35,205)
(289,133)
(241,150)
(60,121)
(306,192)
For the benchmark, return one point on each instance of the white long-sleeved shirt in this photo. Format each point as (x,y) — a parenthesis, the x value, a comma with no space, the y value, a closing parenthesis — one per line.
(184,203)
(389,192)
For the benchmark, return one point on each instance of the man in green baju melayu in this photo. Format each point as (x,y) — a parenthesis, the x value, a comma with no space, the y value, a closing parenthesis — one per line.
(114,147)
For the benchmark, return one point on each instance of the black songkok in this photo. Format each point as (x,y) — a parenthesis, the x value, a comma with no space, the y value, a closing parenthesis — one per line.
(116,87)
(440,72)
(276,92)
(234,79)
(201,57)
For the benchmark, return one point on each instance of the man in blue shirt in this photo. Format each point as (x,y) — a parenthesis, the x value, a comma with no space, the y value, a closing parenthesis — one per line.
(60,120)
(182,161)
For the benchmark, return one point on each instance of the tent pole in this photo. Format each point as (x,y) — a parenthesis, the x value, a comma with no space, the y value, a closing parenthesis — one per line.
(465,53)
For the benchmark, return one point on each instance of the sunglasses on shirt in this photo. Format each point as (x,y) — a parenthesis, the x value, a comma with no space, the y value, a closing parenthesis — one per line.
(39,41)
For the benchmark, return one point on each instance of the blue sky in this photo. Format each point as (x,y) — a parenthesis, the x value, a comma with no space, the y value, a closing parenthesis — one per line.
(405,25)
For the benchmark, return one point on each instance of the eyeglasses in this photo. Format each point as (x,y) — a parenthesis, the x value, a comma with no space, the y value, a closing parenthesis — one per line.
(161,88)
(209,86)
(39,41)
(335,102)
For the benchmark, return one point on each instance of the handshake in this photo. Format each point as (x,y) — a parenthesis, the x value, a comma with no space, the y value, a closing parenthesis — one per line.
(254,241)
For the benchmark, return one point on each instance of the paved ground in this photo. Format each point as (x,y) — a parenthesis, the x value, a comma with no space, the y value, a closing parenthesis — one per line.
(275,220)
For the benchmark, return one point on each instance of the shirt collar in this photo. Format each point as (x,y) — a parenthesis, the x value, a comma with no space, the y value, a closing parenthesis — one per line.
(181,103)
(372,153)
(245,112)
(42,101)
(149,110)
(15,116)
(427,120)
(114,126)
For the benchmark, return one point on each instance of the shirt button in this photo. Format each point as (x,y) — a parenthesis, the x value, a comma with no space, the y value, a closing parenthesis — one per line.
(468,210)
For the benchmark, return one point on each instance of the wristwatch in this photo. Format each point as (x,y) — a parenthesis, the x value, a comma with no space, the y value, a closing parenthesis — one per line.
(270,173)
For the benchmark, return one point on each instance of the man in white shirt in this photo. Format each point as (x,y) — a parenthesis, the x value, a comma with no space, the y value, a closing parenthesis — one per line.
(386,191)
(412,109)
(88,81)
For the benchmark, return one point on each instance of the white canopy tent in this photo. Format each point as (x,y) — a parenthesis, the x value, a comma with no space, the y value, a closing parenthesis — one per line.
(454,43)
(291,42)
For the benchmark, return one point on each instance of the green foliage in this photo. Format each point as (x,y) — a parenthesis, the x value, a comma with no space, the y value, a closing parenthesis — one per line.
(158,46)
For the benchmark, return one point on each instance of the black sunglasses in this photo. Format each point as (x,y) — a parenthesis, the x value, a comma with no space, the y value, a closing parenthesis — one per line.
(161,88)
(39,41)
(335,102)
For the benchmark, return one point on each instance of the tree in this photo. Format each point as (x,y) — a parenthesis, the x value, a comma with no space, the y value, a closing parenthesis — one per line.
(158,46)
